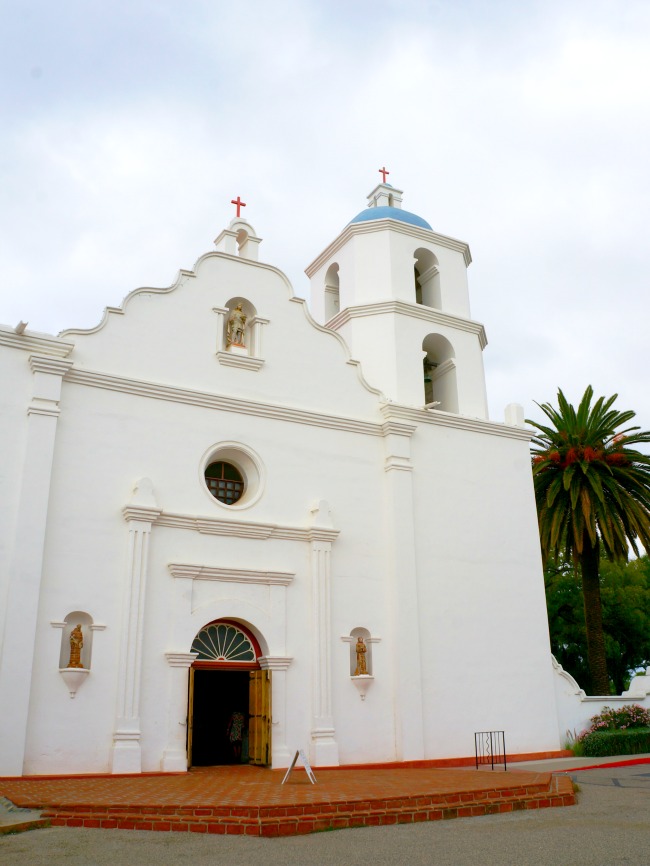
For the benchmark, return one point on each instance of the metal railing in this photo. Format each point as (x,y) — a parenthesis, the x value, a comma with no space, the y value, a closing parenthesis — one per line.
(490,748)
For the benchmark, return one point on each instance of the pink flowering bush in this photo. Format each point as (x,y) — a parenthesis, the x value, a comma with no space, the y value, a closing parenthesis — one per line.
(629,716)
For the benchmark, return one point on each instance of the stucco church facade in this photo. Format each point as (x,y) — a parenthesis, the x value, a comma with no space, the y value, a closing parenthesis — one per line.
(225,500)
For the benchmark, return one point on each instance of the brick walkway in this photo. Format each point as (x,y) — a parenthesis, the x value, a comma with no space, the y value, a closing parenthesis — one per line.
(249,800)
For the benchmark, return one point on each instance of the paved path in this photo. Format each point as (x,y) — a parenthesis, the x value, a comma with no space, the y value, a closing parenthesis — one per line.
(609,826)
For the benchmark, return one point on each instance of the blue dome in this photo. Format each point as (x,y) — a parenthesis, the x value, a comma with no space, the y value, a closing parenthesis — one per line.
(390,213)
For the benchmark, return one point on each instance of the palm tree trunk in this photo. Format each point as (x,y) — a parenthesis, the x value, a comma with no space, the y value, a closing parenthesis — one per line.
(589,568)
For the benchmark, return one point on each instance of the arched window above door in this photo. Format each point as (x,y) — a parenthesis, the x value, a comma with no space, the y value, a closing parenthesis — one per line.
(224,642)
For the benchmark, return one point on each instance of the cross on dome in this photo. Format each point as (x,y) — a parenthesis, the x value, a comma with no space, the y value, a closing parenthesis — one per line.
(383,172)
(239,204)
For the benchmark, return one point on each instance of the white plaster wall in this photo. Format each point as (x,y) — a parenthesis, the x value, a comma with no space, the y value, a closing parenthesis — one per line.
(15,396)
(485,645)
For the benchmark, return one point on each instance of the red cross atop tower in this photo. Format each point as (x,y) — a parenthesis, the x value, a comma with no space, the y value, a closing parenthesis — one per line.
(239,204)
(383,172)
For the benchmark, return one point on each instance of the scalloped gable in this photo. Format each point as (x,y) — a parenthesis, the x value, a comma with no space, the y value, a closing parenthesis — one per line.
(170,336)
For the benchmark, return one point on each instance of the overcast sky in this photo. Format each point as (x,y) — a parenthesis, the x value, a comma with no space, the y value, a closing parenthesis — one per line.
(520,127)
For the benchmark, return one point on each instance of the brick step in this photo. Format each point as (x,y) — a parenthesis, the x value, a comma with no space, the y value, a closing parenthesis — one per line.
(307,818)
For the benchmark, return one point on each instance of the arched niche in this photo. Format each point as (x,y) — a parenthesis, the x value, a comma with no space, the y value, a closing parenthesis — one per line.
(243,343)
(427,279)
(332,297)
(439,372)
(72,620)
(355,635)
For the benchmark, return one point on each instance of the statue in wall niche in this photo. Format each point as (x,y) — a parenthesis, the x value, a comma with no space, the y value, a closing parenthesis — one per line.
(361,669)
(236,327)
(76,644)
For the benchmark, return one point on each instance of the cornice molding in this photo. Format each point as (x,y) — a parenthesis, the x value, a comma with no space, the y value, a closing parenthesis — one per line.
(206,400)
(244,528)
(29,342)
(231,575)
(374,226)
(416,311)
(458,422)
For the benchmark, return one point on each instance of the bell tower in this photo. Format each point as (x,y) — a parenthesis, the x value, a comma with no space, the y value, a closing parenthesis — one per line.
(397,292)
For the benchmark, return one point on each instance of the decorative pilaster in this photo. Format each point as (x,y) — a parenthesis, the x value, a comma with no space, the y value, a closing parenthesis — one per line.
(280,754)
(256,326)
(141,513)
(407,673)
(25,571)
(174,758)
(222,319)
(324,750)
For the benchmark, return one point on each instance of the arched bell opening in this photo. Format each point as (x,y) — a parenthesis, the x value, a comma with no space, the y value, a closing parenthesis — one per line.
(229,702)
(332,296)
(427,279)
(439,373)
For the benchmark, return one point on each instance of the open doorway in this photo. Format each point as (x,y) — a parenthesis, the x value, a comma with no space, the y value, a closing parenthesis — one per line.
(215,696)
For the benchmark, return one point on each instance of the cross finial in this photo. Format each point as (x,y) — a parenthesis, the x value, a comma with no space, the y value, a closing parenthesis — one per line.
(383,172)
(239,204)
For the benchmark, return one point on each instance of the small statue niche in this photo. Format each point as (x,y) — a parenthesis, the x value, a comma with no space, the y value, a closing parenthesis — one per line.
(360,652)
(76,641)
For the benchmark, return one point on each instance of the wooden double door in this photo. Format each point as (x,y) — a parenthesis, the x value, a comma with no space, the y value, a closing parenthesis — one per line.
(215,694)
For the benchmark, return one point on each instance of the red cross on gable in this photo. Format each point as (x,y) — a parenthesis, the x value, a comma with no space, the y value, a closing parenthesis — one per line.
(239,204)
(383,172)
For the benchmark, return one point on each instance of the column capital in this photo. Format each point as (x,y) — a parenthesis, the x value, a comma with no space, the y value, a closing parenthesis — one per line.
(140,514)
(275,663)
(47,364)
(180,660)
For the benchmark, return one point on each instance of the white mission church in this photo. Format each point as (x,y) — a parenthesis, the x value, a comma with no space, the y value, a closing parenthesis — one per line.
(221,500)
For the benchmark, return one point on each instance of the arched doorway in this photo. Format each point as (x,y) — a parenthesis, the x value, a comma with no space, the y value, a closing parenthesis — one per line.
(228,690)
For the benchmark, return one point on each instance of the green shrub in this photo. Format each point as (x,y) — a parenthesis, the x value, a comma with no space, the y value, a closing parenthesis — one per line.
(633,741)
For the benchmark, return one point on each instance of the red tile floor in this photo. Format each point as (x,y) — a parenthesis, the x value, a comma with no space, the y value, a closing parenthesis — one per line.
(251,800)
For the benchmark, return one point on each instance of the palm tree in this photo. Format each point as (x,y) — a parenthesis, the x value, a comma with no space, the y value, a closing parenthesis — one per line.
(592,489)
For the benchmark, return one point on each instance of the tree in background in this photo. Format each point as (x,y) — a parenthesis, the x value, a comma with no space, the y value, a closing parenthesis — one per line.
(592,489)
(625,598)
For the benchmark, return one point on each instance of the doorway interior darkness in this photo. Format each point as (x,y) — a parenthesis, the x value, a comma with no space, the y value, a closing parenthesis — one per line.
(217,694)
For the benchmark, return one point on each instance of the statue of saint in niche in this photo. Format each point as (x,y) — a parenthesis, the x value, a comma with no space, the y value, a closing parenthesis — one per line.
(76,644)
(236,327)
(361,670)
